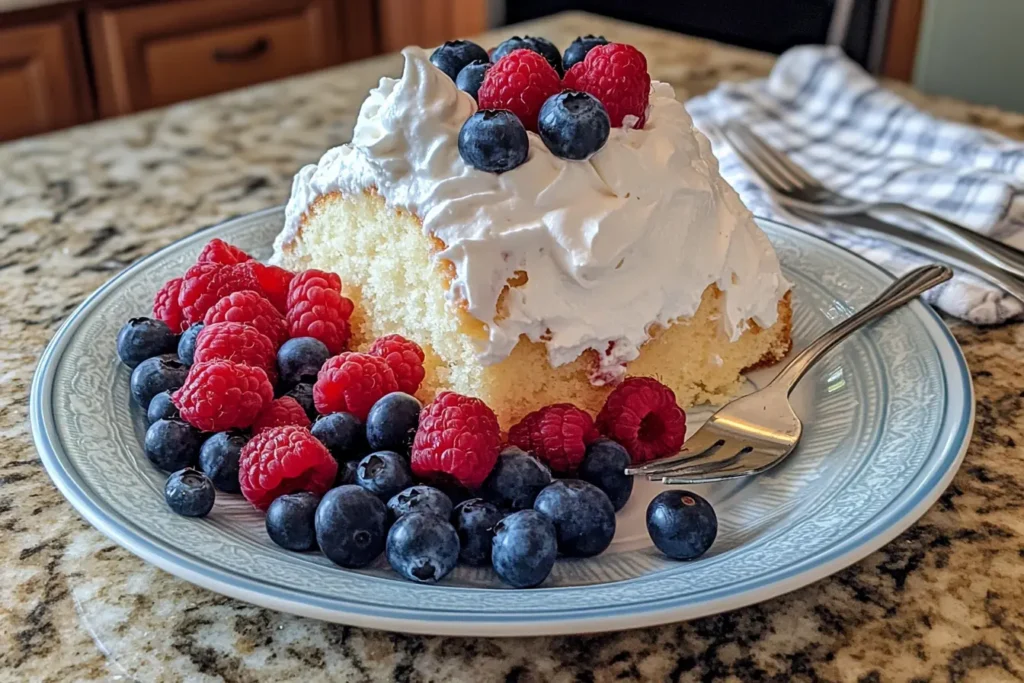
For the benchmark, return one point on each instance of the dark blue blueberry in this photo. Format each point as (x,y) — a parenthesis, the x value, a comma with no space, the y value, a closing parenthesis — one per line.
(420,499)
(682,524)
(573,125)
(450,486)
(542,46)
(290,520)
(346,473)
(604,466)
(516,480)
(300,359)
(384,474)
(351,526)
(423,547)
(187,344)
(524,548)
(188,492)
(579,48)
(155,375)
(454,55)
(162,408)
(392,422)
(583,516)
(493,140)
(474,520)
(143,338)
(218,459)
(303,395)
(471,76)
(343,434)
(172,445)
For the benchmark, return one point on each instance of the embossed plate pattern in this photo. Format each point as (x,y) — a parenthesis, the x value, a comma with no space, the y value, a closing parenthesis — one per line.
(888,416)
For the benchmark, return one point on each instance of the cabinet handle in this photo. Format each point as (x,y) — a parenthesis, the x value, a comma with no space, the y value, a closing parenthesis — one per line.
(252,51)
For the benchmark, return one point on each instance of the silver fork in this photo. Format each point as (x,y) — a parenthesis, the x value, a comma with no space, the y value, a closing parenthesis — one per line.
(756,432)
(795,187)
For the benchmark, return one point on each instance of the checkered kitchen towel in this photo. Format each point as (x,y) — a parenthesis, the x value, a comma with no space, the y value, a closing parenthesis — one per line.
(836,121)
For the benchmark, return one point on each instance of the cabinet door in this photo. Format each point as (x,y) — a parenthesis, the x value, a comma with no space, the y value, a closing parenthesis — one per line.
(429,22)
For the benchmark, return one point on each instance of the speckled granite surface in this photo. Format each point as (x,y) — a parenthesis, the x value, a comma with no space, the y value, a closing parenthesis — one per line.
(944,602)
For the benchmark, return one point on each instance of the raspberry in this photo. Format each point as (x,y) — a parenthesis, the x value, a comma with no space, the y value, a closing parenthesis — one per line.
(558,434)
(405,358)
(249,307)
(520,82)
(284,460)
(352,383)
(303,282)
(279,413)
(239,343)
(458,436)
(274,283)
(642,415)
(166,308)
(219,251)
(219,395)
(617,75)
(204,284)
(317,309)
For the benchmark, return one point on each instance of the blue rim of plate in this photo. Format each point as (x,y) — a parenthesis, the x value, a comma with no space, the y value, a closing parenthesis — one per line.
(890,521)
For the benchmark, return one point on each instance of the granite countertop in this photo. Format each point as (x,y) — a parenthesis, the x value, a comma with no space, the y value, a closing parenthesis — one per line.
(944,601)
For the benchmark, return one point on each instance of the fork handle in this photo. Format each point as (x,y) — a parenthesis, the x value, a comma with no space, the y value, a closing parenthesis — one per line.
(905,289)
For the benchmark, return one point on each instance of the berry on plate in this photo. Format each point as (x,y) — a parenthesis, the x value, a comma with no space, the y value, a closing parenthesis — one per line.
(156,375)
(519,82)
(493,140)
(420,499)
(423,547)
(249,307)
(643,416)
(516,480)
(352,383)
(343,434)
(682,524)
(542,46)
(573,125)
(324,315)
(236,342)
(172,444)
(274,283)
(604,466)
(284,460)
(161,407)
(303,394)
(144,338)
(616,74)
(166,307)
(204,284)
(308,280)
(290,521)
(558,434)
(384,474)
(187,343)
(454,55)
(524,548)
(392,422)
(404,357)
(579,48)
(351,526)
(279,413)
(219,394)
(474,521)
(189,493)
(458,436)
(219,251)
(471,76)
(300,359)
(219,458)
(583,516)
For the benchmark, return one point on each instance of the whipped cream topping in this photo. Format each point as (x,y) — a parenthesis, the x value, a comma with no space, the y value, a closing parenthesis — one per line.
(613,245)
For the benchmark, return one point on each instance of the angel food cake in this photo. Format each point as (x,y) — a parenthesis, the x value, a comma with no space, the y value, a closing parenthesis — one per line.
(541,236)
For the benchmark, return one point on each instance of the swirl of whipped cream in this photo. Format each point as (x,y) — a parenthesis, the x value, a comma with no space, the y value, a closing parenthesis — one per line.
(612,245)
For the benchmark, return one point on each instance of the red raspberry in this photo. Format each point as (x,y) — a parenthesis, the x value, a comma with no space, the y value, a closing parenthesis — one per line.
(520,82)
(220,395)
(317,309)
(405,358)
(558,434)
(302,282)
(249,307)
(239,343)
(642,415)
(274,283)
(166,308)
(617,75)
(279,413)
(352,383)
(204,284)
(284,460)
(458,436)
(219,251)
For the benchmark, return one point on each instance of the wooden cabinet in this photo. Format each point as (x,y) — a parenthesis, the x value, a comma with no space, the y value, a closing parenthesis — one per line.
(429,22)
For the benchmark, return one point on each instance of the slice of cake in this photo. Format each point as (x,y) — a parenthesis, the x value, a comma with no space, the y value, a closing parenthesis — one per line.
(553,280)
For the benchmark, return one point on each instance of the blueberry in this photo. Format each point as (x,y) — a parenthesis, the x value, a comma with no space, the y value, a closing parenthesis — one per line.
(162,408)
(351,526)
(384,474)
(682,524)
(510,45)
(346,473)
(604,466)
(450,486)
(420,499)
(392,422)
(454,55)
(583,516)
(579,48)
(474,521)
(524,548)
(516,480)
(542,46)
(573,125)
(154,375)
(300,359)
(172,444)
(218,459)
(143,338)
(187,344)
(188,492)
(422,547)
(471,76)
(290,520)
(303,394)
(343,434)
(493,140)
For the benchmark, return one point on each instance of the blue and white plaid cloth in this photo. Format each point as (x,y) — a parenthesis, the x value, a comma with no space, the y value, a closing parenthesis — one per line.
(836,121)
